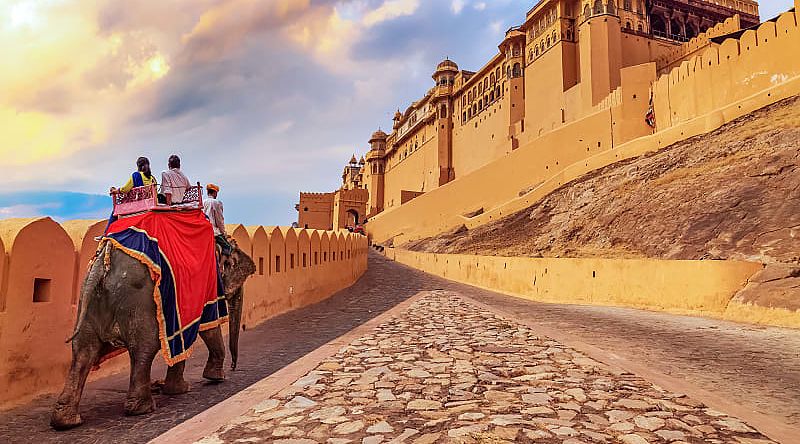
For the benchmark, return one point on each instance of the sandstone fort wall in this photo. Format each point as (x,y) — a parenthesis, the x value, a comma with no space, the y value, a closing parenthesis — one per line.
(700,95)
(43,264)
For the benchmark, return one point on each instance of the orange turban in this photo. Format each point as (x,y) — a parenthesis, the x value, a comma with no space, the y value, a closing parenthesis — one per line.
(212,187)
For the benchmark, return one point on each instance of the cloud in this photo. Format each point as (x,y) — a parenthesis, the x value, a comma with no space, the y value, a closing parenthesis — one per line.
(456,6)
(390,9)
(265,97)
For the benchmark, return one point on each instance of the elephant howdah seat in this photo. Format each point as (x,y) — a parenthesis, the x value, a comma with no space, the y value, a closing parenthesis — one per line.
(141,199)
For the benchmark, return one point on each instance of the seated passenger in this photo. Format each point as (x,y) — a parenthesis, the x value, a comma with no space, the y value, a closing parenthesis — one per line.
(141,177)
(173,182)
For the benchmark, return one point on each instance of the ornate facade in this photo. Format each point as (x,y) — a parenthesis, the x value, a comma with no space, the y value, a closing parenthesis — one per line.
(567,60)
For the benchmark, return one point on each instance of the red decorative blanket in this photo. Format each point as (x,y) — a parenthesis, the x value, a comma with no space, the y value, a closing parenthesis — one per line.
(178,248)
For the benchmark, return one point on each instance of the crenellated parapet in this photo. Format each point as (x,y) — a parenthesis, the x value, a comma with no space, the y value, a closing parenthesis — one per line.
(43,264)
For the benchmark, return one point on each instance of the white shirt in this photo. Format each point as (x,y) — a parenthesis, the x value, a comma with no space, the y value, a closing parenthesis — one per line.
(213,209)
(174,182)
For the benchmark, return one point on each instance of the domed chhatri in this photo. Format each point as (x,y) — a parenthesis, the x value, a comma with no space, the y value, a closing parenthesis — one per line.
(447,65)
(378,135)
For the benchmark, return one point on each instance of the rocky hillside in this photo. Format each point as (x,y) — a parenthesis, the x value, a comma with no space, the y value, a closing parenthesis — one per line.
(730,194)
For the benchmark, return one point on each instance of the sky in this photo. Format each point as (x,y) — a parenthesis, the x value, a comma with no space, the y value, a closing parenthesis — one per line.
(266,98)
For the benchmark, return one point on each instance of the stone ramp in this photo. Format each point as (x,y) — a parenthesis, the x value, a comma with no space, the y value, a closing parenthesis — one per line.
(753,366)
(447,370)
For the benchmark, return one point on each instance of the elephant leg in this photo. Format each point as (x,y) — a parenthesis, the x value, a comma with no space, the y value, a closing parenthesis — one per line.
(85,350)
(140,397)
(216,354)
(174,384)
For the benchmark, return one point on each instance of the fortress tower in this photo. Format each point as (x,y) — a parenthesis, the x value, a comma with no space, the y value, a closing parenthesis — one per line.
(442,101)
(376,166)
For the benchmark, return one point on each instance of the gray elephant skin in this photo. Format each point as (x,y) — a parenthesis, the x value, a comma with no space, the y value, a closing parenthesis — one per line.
(116,309)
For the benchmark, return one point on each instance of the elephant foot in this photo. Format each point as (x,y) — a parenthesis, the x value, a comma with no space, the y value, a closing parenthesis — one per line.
(175,387)
(65,418)
(136,406)
(214,372)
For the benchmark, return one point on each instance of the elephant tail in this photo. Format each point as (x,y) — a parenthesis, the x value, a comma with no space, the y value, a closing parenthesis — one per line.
(97,272)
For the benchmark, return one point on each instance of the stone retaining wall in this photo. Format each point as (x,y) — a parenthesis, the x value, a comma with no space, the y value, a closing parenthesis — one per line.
(705,288)
(43,264)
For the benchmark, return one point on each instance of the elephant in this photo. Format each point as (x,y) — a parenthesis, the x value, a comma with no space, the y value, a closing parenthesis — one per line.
(116,309)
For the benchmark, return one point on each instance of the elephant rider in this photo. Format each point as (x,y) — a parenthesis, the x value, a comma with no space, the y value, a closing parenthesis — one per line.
(173,182)
(140,178)
(213,209)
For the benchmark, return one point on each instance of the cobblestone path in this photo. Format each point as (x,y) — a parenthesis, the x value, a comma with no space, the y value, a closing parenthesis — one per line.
(755,366)
(448,371)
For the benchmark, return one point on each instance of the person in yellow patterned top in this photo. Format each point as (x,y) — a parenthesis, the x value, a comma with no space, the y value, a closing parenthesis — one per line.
(140,178)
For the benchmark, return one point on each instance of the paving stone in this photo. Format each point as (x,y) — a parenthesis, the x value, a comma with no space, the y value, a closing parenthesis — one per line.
(423,404)
(633,439)
(347,428)
(381,427)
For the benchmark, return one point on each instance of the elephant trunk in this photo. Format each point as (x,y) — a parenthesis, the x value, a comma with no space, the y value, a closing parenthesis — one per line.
(235,302)
(97,272)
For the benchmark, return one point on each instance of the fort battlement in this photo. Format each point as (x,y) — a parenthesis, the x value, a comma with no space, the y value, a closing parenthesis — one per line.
(665,62)
(43,264)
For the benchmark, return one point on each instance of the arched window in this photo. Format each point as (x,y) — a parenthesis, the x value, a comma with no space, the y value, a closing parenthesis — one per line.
(486,99)
(464,117)
(640,28)
(587,11)
(442,113)
(485,83)
(497,73)
(508,72)
(548,41)
(658,26)
(555,37)
(480,104)
(493,78)
(537,50)
(517,71)
(691,30)
(627,5)
(598,7)
(491,96)
(676,30)
(543,47)
(628,25)
(499,92)
(474,109)
(611,8)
